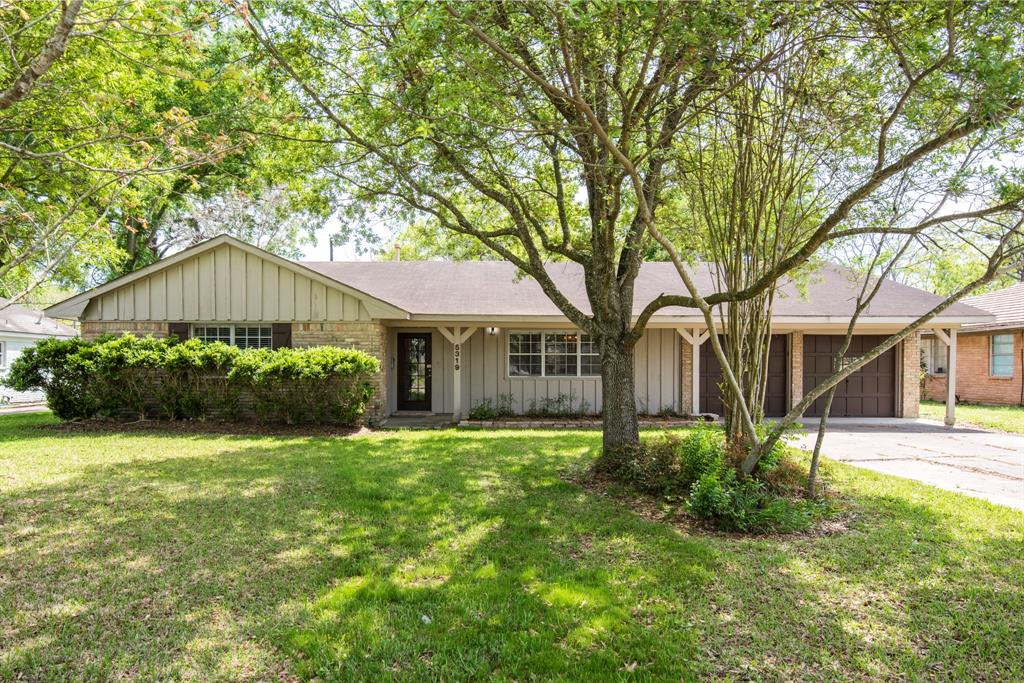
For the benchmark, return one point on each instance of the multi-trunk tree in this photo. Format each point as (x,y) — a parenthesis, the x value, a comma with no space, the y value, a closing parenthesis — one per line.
(580,132)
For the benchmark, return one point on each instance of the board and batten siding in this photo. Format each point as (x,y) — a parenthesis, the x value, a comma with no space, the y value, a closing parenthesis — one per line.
(226,284)
(485,374)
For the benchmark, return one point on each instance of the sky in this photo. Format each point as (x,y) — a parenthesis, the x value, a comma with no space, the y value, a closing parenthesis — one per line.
(321,251)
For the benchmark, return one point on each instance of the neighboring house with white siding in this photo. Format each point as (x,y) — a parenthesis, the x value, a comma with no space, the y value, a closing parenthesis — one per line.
(21,327)
(452,334)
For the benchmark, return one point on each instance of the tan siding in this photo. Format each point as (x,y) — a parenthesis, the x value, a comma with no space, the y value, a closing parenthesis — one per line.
(174,293)
(207,291)
(190,290)
(484,374)
(226,285)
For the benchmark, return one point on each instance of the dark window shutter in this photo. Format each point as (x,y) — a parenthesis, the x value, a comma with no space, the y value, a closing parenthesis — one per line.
(179,330)
(281,335)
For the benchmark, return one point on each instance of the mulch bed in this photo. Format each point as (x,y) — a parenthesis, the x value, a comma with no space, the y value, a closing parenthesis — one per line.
(674,514)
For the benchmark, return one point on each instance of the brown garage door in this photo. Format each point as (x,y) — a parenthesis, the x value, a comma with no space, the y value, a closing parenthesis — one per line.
(869,392)
(711,378)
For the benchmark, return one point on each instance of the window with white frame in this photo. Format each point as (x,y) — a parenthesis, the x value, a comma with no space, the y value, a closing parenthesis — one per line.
(242,336)
(3,354)
(1001,355)
(934,355)
(552,354)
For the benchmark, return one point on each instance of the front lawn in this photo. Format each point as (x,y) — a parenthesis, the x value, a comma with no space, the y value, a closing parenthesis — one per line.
(1005,418)
(455,555)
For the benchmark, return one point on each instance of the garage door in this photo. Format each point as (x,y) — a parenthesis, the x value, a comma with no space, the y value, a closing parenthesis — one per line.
(869,392)
(711,378)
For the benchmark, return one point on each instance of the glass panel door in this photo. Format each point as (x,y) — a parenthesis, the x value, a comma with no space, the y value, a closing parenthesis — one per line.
(414,362)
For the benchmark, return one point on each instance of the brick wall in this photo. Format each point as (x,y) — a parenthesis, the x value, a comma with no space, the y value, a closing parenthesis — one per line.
(368,337)
(685,377)
(974,384)
(92,328)
(796,368)
(910,380)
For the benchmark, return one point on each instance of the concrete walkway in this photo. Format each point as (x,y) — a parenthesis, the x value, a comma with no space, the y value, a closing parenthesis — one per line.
(12,408)
(975,462)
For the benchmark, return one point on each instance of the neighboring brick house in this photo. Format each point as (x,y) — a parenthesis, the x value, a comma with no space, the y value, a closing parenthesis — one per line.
(451,335)
(989,356)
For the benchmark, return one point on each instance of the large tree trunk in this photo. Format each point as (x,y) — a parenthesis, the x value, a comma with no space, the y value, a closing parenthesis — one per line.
(620,424)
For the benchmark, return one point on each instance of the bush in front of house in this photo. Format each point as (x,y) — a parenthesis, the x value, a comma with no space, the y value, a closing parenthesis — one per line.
(694,470)
(128,376)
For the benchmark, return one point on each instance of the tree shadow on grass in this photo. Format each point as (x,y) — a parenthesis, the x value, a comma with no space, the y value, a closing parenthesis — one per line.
(445,555)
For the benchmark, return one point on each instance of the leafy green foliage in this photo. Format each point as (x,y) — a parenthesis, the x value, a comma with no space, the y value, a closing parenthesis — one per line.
(115,377)
(486,409)
(695,469)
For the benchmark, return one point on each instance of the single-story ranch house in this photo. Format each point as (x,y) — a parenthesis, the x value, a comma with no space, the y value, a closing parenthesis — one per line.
(450,335)
(21,327)
(989,356)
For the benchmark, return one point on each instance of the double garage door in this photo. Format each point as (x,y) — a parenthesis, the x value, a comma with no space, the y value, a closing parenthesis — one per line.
(869,392)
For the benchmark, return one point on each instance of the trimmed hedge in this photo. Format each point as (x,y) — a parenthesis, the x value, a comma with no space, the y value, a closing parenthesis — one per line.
(128,376)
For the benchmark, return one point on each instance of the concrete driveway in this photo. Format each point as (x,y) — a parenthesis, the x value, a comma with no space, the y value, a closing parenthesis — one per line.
(967,460)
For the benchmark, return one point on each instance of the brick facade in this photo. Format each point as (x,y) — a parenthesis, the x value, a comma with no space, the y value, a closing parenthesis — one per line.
(796,368)
(974,383)
(685,377)
(910,377)
(92,329)
(368,337)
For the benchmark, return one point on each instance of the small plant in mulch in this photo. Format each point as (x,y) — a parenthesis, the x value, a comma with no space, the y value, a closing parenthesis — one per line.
(692,478)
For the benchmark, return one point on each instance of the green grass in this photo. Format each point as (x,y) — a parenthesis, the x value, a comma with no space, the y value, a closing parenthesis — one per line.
(1005,418)
(447,555)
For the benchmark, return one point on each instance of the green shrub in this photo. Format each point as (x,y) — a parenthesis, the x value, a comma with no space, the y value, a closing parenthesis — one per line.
(486,409)
(563,405)
(126,376)
(319,384)
(709,497)
(695,467)
(56,367)
(701,451)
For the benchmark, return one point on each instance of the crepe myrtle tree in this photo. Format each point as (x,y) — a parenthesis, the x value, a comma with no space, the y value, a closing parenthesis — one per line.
(915,136)
(548,130)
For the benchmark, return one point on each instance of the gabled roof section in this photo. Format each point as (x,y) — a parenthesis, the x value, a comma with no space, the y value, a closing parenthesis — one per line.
(15,319)
(495,289)
(1006,305)
(75,306)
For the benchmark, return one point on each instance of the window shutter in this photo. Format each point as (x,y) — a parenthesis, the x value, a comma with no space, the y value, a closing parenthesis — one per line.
(281,335)
(180,330)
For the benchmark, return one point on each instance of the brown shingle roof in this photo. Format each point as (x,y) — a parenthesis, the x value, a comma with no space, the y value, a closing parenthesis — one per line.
(21,320)
(494,288)
(1007,305)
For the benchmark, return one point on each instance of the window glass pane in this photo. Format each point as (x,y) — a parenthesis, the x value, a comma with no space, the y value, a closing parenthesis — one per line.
(212,333)
(524,354)
(1002,355)
(934,355)
(560,354)
(590,359)
(253,337)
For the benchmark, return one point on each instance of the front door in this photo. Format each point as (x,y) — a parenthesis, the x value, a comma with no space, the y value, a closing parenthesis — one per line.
(414,371)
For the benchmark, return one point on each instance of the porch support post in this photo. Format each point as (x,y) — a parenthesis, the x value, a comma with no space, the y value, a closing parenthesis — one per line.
(457,336)
(948,337)
(951,379)
(695,338)
(457,374)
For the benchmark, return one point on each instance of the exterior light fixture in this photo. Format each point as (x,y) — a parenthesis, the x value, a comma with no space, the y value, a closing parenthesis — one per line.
(492,331)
